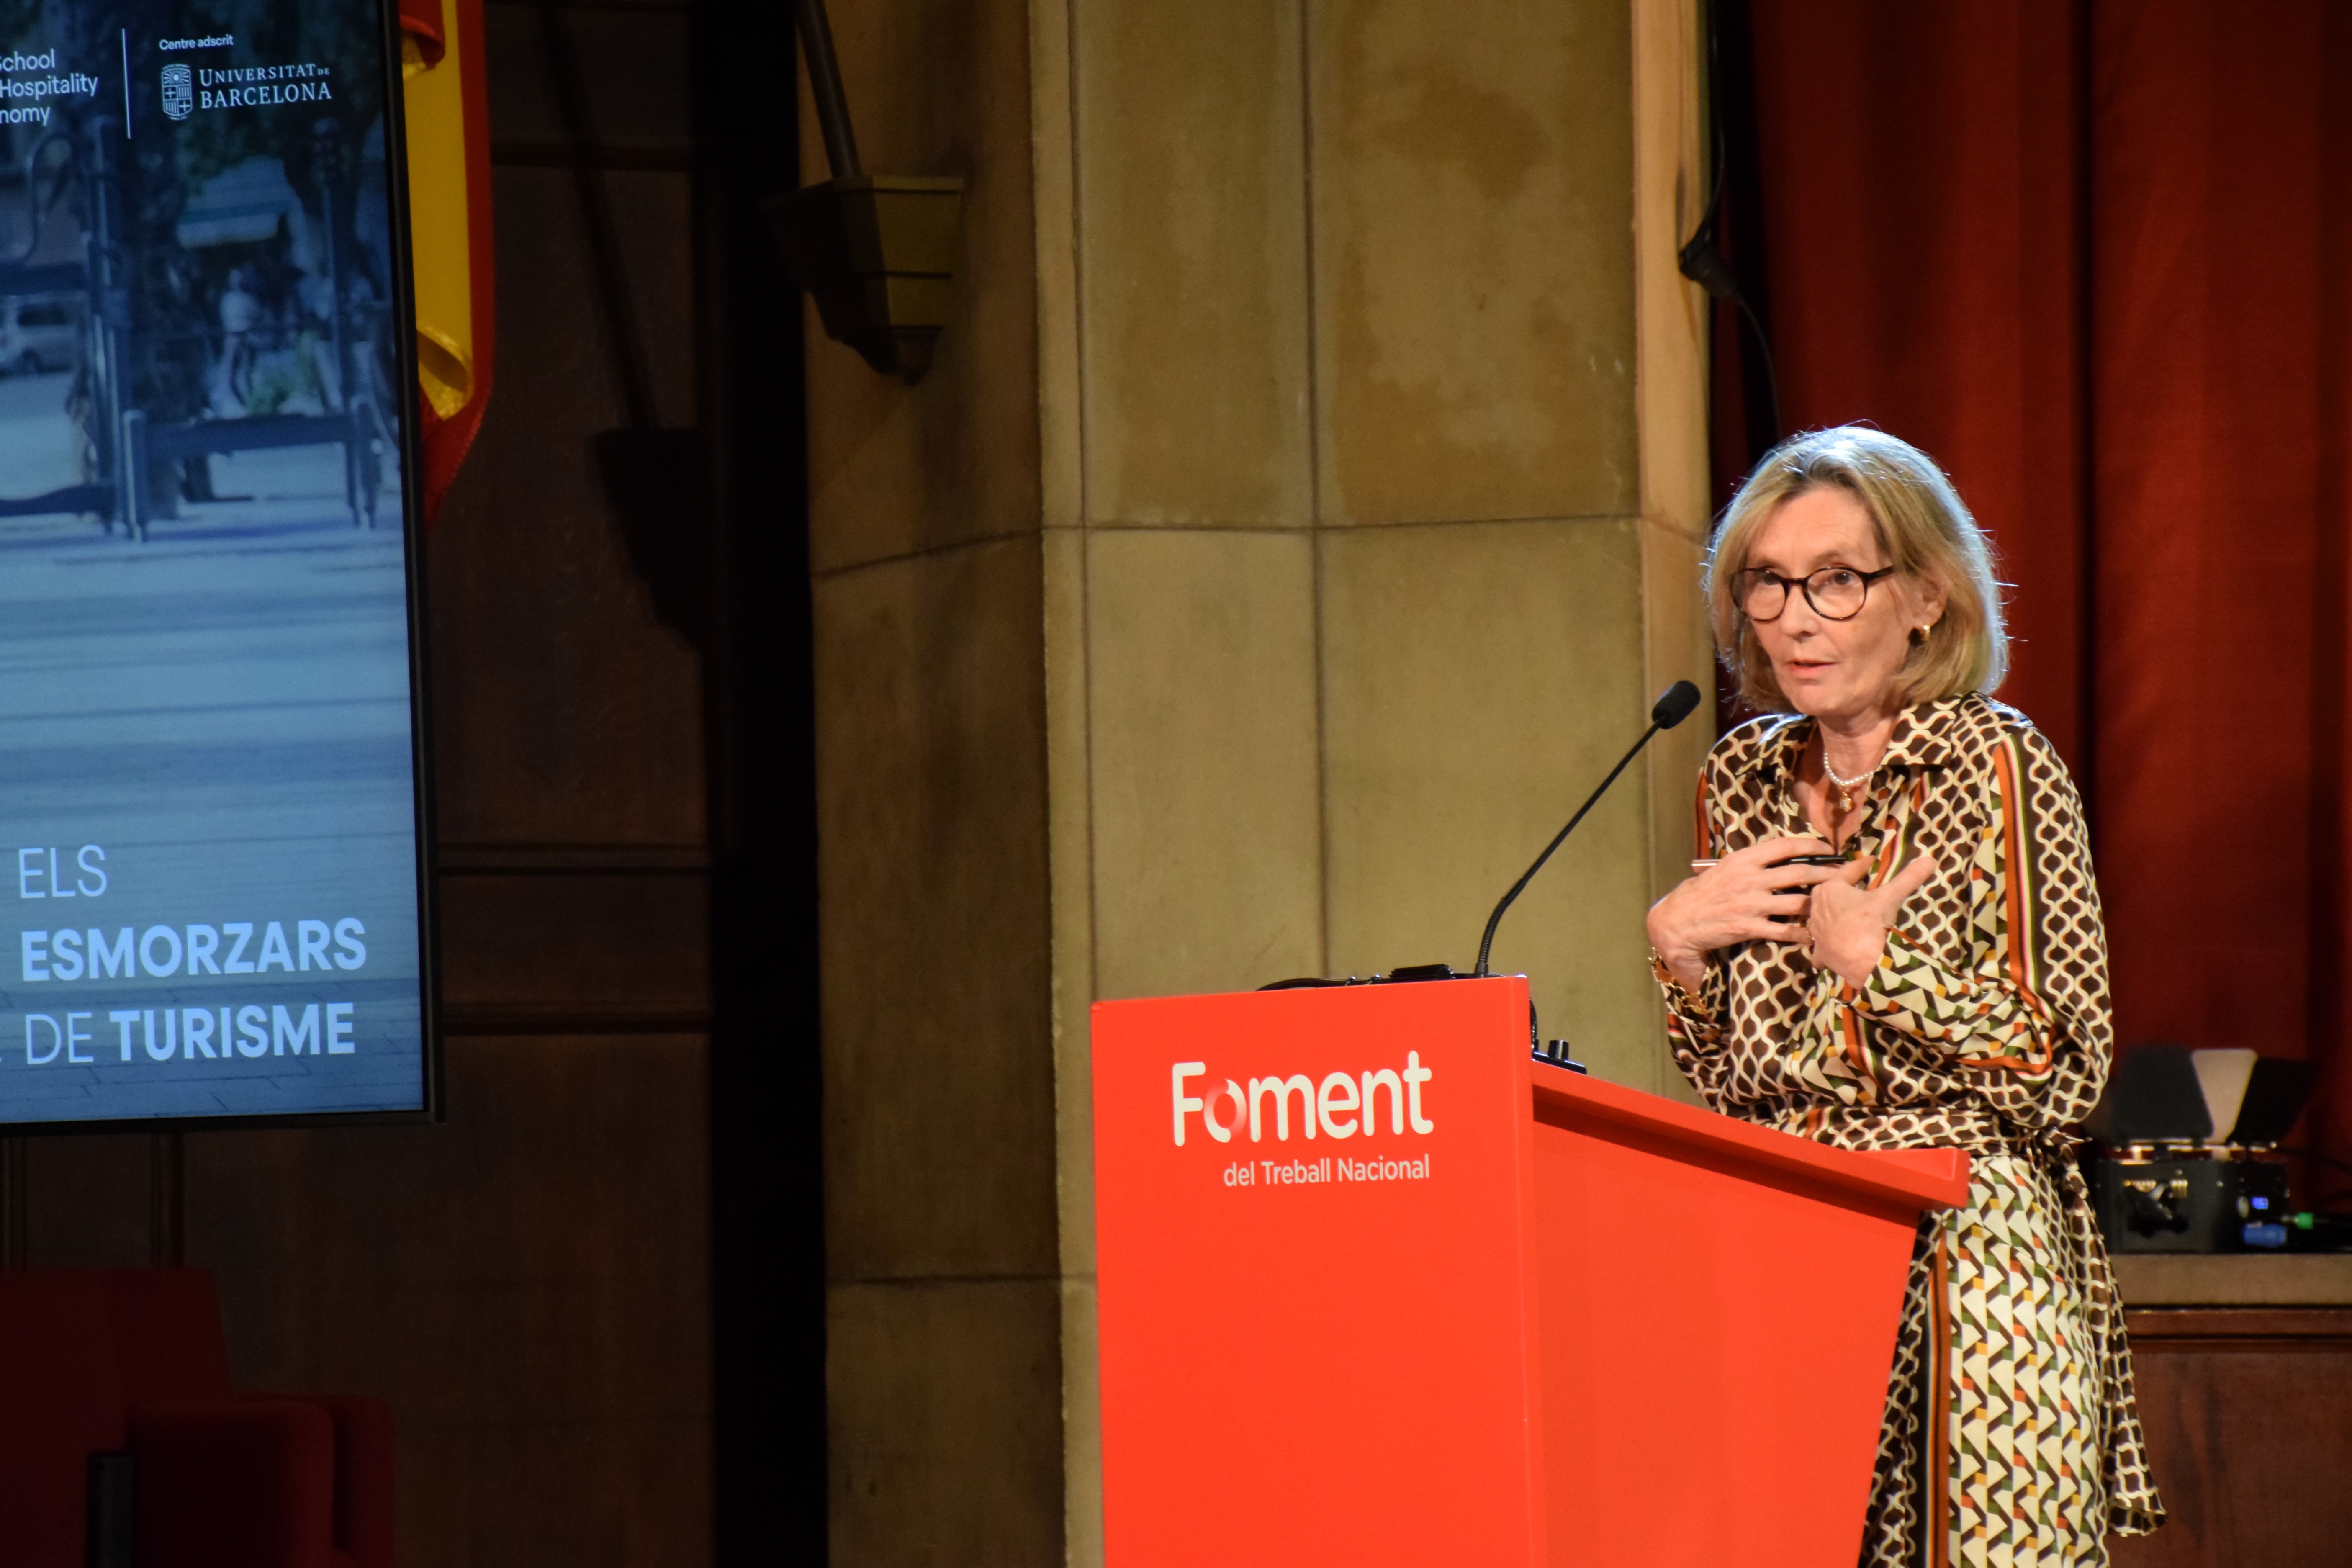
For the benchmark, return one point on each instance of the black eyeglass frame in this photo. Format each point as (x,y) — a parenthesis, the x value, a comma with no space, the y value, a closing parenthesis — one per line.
(1755,576)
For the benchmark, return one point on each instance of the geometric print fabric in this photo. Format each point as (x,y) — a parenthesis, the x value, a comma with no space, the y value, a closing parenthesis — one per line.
(2025,1428)
(2011,1435)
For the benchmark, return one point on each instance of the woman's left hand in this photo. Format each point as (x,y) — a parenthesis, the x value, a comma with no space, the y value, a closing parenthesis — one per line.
(1849,922)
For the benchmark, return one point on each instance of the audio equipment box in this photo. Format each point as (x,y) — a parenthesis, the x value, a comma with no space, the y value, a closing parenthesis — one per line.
(2189,1160)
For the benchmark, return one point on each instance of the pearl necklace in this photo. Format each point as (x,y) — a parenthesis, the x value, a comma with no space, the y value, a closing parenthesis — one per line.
(1846,787)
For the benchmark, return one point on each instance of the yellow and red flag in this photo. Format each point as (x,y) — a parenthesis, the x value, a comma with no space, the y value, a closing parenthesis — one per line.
(443,69)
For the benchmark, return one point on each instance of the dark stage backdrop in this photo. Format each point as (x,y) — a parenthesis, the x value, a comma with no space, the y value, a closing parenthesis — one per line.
(2093,257)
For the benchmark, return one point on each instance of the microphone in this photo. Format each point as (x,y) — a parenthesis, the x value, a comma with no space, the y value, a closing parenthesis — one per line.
(1668,711)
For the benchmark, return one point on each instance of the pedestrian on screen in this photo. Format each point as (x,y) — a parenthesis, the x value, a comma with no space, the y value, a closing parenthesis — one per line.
(1943,984)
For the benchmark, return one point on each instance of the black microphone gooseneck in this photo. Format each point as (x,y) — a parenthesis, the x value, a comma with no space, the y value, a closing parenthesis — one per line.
(1669,710)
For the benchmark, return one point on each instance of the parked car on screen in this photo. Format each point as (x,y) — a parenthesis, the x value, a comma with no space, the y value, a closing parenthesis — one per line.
(38,334)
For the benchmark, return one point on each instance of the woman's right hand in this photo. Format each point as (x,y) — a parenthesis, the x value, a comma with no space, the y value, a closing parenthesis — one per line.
(1738,899)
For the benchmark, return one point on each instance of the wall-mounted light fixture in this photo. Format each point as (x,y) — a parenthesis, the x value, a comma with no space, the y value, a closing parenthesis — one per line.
(876,251)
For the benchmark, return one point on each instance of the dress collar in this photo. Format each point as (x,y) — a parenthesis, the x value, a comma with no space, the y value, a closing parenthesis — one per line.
(1923,738)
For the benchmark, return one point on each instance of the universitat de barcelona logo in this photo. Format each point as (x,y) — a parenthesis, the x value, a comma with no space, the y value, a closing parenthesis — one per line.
(179,91)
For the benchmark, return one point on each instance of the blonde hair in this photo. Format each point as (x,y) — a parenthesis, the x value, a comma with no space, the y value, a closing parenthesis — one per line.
(1922,525)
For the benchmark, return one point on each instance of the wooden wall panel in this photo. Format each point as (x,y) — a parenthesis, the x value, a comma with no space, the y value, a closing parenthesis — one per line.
(2248,1419)
(95,1196)
(564,713)
(587,939)
(525,1284)
(529,1285)
(542,1285)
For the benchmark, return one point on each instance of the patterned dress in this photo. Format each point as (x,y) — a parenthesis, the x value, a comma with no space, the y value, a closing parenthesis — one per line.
(2012,1437)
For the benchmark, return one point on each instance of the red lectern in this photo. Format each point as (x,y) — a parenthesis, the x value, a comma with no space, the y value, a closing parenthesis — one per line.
(1376,1288)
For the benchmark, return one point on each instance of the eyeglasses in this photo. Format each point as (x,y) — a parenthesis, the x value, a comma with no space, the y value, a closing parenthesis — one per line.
(1835,592)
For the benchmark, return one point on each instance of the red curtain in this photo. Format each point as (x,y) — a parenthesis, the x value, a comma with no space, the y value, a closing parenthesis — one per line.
(2094,258)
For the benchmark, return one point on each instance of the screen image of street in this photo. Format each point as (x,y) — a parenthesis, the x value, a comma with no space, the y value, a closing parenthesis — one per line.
(207,750)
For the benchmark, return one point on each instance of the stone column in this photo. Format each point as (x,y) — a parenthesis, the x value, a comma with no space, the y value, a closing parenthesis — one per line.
(1301,515)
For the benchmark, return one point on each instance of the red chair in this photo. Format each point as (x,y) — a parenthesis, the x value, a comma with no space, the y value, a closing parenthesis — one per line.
(235,1484)
(60,1402)
(298,1481)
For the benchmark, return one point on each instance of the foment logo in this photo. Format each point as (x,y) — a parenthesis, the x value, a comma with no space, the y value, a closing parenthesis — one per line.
(1332,1107)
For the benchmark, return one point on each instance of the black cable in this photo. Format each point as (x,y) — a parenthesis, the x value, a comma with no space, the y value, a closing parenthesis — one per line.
(1771,372)
(1701,260)
(825,87)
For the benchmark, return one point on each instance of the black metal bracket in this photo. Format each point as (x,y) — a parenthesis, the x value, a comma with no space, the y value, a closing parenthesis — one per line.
(876,252)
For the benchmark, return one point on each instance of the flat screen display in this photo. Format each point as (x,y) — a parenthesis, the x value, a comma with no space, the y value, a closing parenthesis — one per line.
(210,829)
